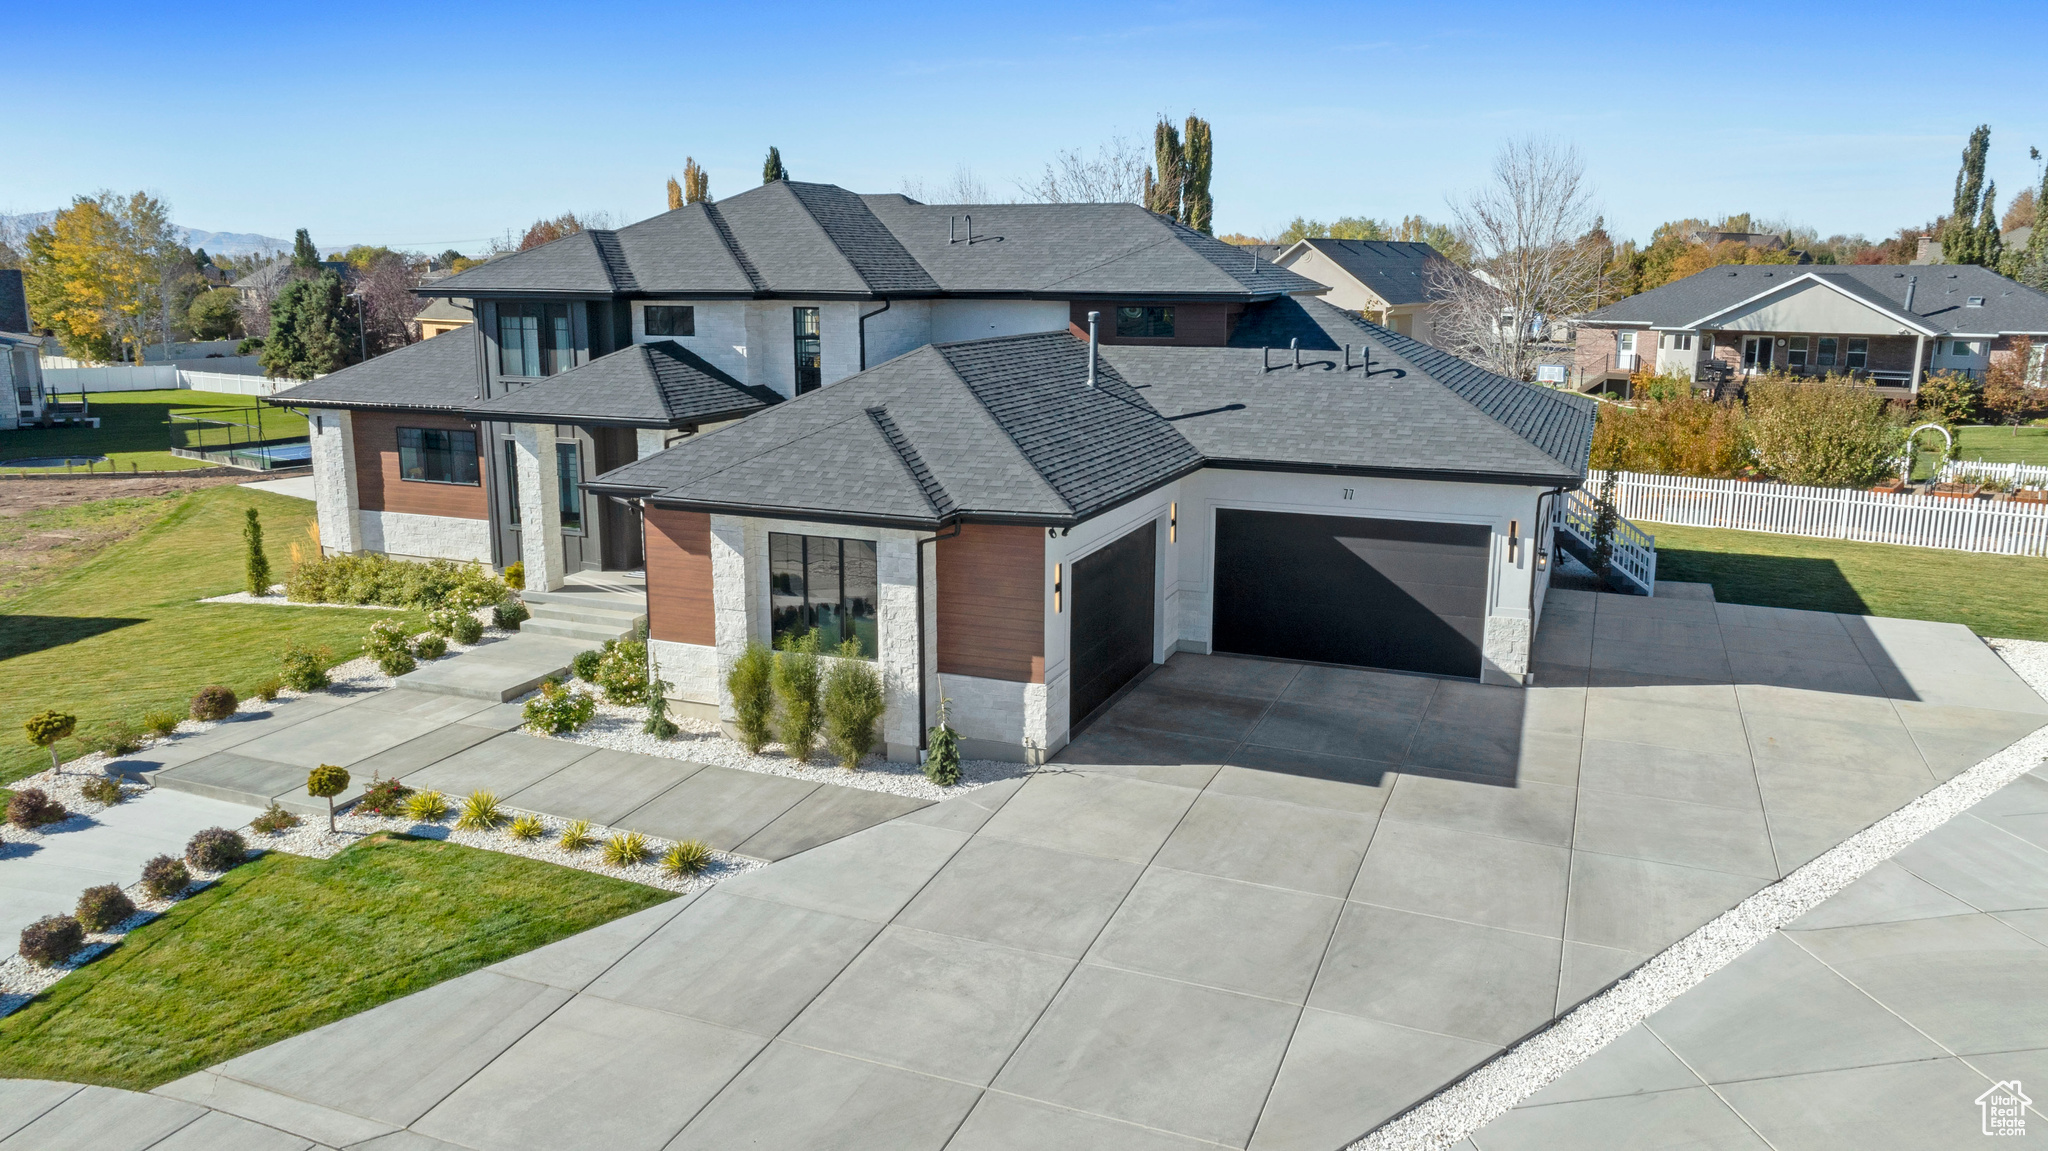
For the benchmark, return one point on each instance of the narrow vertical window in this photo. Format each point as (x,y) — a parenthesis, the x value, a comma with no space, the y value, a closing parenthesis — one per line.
(512,482)
(567,460)
(809,358)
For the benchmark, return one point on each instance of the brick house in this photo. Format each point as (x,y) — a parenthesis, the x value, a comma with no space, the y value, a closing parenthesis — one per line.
(1886,324)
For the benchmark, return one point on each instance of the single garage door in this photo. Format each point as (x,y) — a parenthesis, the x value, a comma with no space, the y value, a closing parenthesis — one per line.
(1111,632)
(1400,594)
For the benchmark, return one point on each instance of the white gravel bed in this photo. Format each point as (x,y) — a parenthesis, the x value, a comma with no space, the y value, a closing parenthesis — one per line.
(21,980)
(617,727)
(276,598)
(312,839)
(1539,1060)
(64,788)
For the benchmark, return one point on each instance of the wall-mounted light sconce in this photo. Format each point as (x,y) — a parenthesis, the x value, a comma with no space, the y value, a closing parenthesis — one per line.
(1515,541)
(1173,522)
(1057,586)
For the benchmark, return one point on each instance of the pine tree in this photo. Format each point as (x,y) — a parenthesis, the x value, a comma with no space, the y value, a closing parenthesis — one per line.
(312,330)
(696,182)
(771,168)
(1961,240)
(1197,209)
(1170,162)
(675,194)
(304,254)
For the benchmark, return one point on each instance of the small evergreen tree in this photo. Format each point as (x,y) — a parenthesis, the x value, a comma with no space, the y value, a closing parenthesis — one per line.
(304,254)
(751,684)
(942,751)
(796,695)
(771,168)
(854,702)
(658,724)
(312,330)
(259,564)
(45,728)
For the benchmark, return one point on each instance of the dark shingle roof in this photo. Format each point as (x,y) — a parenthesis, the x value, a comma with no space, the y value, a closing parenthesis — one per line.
(1007,428)
(798,239)
(435,373)
(661,384)
(1396,271)
(1940,298)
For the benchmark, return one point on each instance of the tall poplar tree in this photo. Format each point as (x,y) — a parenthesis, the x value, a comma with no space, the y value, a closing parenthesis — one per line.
(1197,209)
(771,168)
(1169,163)
(696,182)
(1962,237)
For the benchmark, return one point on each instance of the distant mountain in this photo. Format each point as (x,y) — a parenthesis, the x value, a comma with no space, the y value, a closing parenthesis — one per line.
(215,243)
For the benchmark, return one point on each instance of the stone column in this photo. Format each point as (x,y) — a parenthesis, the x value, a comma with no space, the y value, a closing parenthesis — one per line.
(1505,657)
(732,602)
(334,481)
(896,641)
(648,441)
(540,506)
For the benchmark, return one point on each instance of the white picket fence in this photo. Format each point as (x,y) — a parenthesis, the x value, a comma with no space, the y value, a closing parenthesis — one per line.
(1978,471)
(2002,527)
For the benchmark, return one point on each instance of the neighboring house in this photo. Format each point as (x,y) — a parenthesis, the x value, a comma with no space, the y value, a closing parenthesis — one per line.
(1023,524)
(266,281)
(21,370)
(1386,281)
(444,315)
(1886,324)
(1016,462)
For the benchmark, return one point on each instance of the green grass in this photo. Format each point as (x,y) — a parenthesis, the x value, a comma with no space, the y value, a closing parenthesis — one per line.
(2028,445)
(1994,596)
(122,632)
(286,944)
(135,429)
(72,532)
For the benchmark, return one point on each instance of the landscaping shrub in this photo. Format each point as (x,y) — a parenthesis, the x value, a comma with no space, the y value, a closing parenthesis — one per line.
(164,877)
(103,789)
(796,695)
(658,724)
(370,578)
(326,782)
(268,690)
(515,575)
(430,646)
(527,827)
(576,836)
(216,849)
(460,626)
(102,907)
(51,939)
(508,614)
(1823,434)
(161,722)
(214,702)
(627,849)
(305,668)
(584,665)
(1684,435)
(942,750)
(1947,398)
(557,709)
(274,819)
(116,737)
(45,728)
(257,567)
(32,807)
(389,645)
(687,858)
(751,683)
(480,812)
(853,702)
(426,806)
(383,797)
(622,671)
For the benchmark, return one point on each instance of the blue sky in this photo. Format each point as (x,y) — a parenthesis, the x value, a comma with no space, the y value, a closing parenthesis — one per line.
(431,125)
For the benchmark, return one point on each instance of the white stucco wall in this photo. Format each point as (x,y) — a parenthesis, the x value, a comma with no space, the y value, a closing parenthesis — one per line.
(721,332)
(413,536)
(982,319)
(332,435)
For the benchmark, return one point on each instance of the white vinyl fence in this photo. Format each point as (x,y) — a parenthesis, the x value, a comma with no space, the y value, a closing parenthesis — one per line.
(2002,527)
(158,378)
(1978,471)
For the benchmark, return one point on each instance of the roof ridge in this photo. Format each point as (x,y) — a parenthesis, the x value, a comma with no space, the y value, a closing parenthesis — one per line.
(935,493)
(614,257)
(732,246)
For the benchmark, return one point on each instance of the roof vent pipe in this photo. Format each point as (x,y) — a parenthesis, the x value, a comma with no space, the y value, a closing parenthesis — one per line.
(1911,283)
(1092,317)
(1295,347)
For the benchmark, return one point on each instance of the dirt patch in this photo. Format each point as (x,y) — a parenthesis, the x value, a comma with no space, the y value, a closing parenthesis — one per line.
(22,496)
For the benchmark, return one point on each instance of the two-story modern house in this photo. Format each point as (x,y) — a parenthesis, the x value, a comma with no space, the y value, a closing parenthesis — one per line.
(1887,324)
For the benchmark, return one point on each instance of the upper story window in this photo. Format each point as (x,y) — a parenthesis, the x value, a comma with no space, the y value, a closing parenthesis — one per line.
(826,583)
(1144,323)
(671,320)
(437,456)
(535,339)
(809,356)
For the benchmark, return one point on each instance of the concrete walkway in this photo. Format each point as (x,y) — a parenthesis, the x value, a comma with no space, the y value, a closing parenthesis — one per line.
(1874,1021)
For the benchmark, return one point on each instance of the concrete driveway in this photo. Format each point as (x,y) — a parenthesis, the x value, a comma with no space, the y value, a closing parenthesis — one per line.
(1256,904)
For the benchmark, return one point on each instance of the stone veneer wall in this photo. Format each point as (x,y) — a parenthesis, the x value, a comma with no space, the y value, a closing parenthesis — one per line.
(404,534)
(334,481)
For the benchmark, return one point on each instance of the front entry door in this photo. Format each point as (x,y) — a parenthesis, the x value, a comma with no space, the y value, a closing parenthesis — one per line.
(619,531)
(1756,353)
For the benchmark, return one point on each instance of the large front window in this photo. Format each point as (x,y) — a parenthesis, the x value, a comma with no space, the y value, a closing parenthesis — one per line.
(1826,352)
(568,465)
(436,456)
(822,582)
(1858,355)
(809,358)
(535,339)
(1144,323)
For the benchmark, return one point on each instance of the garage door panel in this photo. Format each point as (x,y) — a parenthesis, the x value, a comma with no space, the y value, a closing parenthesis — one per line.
(1377,593)
(1112,634)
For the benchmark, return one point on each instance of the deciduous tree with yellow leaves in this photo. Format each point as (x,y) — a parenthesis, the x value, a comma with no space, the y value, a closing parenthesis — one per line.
(104,271)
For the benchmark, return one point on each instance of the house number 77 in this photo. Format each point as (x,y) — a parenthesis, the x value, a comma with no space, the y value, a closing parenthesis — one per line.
(1347,493)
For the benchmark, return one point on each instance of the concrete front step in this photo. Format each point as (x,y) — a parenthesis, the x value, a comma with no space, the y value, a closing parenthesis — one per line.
(573,595)
(578,613)
(592,633)
(499,671)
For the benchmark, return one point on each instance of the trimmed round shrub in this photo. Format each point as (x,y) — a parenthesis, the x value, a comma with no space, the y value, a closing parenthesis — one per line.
(216,849)
(214,702)
(396,663)
(102,907)
(467,628)
(430,647)
(509,614)
(51,939)
(305,668)
(515,574)
(557,710)
(584,666)
(32,807)
(164,877)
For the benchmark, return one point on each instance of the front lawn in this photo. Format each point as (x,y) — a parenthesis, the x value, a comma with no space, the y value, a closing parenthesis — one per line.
(122,633)
(2028,445)
(1995,596)
(285,944)
(135,429)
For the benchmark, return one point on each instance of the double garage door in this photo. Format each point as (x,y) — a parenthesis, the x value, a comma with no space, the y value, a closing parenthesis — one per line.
(1401,594)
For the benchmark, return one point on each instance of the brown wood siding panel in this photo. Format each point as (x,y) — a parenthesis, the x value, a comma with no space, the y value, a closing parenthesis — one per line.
(378,488)
(1196,324)
(679,577)
(992,603)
